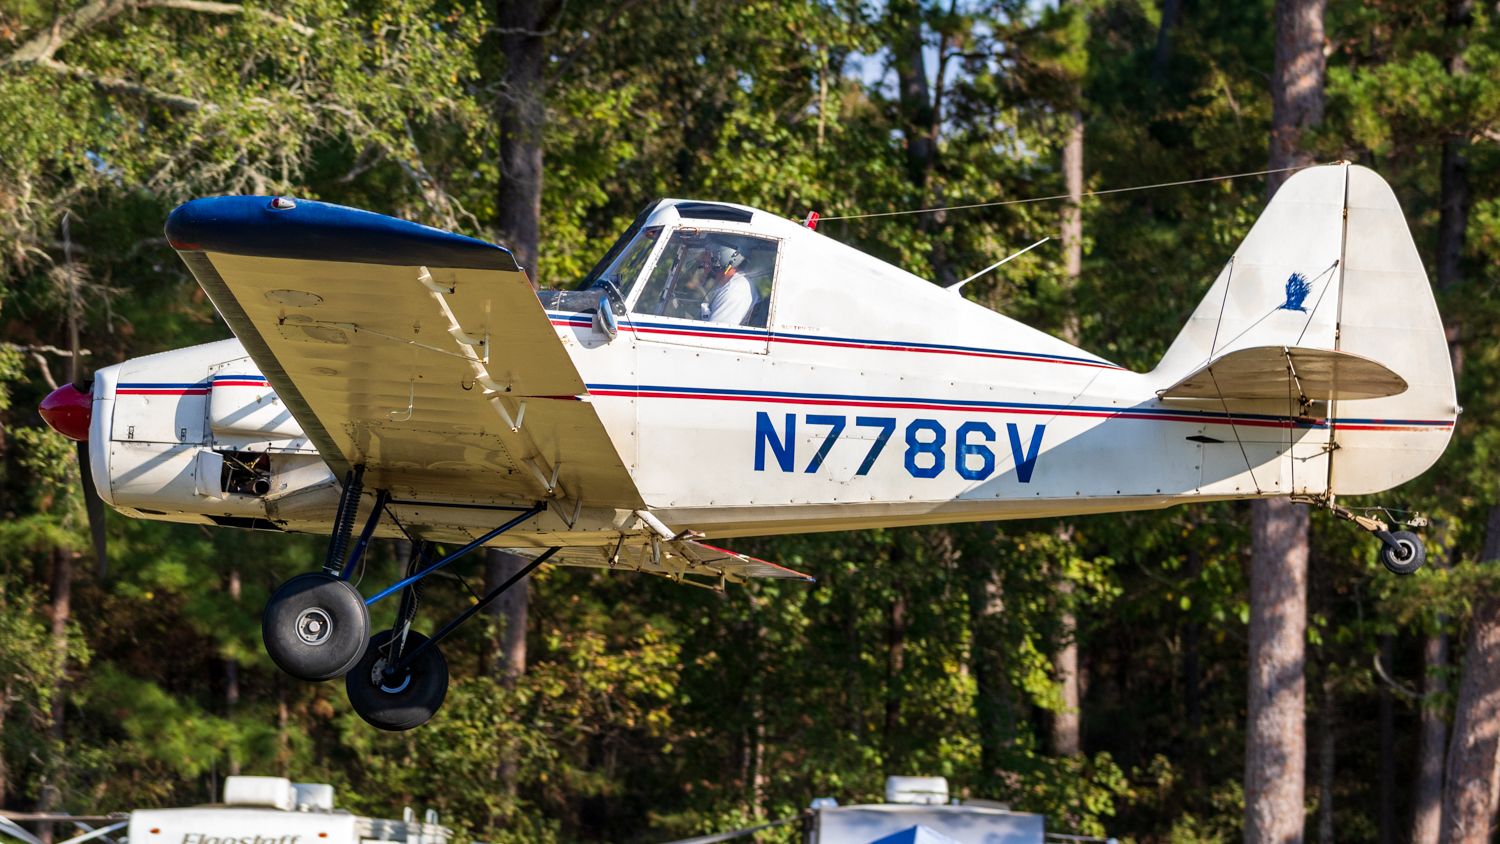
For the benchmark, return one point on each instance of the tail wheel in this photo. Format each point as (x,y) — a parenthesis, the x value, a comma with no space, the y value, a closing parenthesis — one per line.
(315,626)
(1404,553)
(402,701)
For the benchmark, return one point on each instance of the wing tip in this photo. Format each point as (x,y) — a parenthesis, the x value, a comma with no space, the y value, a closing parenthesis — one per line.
(279,227)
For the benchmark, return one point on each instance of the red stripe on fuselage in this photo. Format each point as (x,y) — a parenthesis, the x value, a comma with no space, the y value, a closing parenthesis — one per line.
(879,346)
(1023,411)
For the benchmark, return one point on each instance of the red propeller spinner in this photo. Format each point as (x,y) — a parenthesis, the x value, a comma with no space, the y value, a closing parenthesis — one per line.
(68,410)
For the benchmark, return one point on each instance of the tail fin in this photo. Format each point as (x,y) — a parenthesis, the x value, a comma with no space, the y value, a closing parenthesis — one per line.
(1330,265)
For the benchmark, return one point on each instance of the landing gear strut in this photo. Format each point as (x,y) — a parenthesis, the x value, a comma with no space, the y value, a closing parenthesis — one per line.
(317,627)
(415,689)
(1401,551)
(403,677)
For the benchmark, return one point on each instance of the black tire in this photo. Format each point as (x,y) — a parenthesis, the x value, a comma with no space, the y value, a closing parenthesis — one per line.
(315,626)
(404,702)
(1407,557)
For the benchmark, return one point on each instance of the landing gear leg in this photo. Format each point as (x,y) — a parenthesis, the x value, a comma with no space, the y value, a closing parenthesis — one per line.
(316,625)
(403,677)
(1401,551)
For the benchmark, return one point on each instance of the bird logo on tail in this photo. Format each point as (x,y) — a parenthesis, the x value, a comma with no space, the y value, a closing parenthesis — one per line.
(1297,288)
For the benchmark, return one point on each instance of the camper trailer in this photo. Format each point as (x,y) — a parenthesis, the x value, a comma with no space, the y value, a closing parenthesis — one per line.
(255,810)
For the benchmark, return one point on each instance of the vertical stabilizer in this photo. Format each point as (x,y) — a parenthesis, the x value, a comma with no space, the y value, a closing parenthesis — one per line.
(1330,264)
(1280,287)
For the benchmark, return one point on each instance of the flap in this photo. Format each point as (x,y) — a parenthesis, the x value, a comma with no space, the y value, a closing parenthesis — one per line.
(1280,372)
(404,348)
(682,560)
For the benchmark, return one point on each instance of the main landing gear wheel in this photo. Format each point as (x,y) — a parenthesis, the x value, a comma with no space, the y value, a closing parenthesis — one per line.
(405,700)
(315,626)
(1403,553)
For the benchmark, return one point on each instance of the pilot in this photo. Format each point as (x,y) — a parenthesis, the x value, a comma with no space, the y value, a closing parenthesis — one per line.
(731,294)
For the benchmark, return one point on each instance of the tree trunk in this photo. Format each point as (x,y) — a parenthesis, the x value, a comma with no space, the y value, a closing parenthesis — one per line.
(1387,716)
(505,653)
(992,707)
(1427,817)
(1067,738)
(1327,760)
(283,728)
(1275,755)
(510,610)
(1453,204)
(4,771)
(1296,83)
(918,115)
(1468,802)
(232,676)
(59,612)
(1191,750)
(759,779)
(1072,215)
(921,111)
(1171,10)
(1275,750)
(895,663)
(1428,824)
(1454,200)
(1072,222)
(521,114)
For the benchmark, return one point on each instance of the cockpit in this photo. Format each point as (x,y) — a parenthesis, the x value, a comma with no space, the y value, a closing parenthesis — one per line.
(704,267)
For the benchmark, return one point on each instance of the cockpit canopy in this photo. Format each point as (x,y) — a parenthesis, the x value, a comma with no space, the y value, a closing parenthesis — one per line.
(703,268)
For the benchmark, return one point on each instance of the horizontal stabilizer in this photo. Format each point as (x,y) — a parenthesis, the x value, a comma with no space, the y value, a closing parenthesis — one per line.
(1279,372)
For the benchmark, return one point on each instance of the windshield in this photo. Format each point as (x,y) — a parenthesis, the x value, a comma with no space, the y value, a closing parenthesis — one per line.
(622,271)
(610,265)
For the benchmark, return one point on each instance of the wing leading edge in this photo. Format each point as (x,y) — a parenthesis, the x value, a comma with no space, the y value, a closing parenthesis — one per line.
(407,349)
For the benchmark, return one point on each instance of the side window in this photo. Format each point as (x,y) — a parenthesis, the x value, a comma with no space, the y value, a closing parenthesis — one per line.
(712,277)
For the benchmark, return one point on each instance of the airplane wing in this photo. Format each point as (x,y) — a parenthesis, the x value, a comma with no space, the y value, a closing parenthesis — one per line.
(681,560)
(422,354)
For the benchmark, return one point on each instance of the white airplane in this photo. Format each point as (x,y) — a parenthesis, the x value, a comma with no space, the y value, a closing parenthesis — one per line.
(724,372)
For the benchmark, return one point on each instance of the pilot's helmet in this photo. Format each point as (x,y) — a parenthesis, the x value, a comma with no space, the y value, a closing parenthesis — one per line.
(726,257)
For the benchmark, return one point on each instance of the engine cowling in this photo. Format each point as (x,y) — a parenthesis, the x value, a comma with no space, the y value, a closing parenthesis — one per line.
(198,435)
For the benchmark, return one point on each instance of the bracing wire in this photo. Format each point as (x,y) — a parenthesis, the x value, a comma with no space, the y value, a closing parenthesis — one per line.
(1058,196)
(1213,345)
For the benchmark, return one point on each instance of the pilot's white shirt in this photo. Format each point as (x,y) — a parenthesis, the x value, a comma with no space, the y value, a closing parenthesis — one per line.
(731,301)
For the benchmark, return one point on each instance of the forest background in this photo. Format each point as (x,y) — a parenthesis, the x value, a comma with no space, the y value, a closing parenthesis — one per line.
(1094,670)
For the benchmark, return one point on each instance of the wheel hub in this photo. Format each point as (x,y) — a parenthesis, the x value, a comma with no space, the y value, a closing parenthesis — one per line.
(314,626)
(379,680)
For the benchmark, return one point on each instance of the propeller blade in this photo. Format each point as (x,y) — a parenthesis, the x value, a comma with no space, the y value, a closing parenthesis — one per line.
(93,505)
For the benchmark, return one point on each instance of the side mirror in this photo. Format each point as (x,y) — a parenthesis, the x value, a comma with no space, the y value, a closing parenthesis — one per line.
(604,319)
